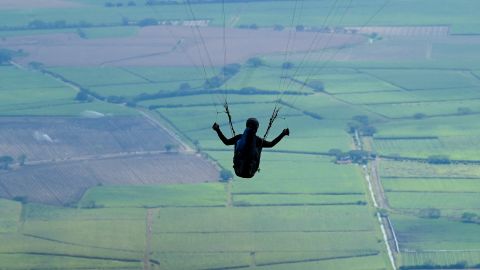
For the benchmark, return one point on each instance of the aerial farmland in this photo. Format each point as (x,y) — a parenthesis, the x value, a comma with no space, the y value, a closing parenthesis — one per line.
(108,159)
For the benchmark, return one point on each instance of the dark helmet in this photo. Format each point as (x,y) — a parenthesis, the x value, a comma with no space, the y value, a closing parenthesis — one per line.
(252,123)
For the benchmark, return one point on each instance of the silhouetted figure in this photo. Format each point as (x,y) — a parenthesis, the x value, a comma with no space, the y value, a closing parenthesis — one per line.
(248,147)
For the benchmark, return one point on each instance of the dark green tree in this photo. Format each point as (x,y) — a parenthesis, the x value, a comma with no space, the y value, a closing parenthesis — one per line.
(287,65)
(278,27)
(184,87)
(432,213)
(5,56)
(225,175)
(147,22)
(438,159)
(5,162)
(300,28)
(254,62)
(21,159)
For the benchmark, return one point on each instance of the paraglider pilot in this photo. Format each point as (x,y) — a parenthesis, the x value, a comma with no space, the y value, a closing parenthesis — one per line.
(248,147)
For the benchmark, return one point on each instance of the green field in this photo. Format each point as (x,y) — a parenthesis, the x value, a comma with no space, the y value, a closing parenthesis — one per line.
(441,108)
(301,211)
(429,235)
(430,12)
(431,184)
(455,147)
(422,79)
(157,196)
(349,81)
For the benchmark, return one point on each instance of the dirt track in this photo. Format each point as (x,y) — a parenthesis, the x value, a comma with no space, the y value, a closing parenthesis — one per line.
(169,46)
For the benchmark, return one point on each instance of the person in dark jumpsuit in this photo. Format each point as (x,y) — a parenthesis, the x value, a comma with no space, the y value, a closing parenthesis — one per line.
(248,147)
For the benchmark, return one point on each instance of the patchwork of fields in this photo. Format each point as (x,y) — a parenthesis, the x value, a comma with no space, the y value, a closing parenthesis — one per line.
(114,164)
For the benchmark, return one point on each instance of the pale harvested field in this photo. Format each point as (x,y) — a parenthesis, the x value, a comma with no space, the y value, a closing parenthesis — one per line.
(19,4)
(64,183)
(169,46)
(408,31)
(60,138)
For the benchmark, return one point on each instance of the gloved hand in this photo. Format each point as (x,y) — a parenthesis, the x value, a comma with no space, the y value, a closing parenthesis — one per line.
(286,132)
(215,126)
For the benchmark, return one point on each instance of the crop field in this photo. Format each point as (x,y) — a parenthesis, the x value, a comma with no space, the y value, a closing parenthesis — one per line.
(47,138)
(154,46)
(441,258)
(426,13)
(64,183)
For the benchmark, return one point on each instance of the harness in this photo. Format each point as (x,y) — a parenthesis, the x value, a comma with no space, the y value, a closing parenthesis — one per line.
(246,157)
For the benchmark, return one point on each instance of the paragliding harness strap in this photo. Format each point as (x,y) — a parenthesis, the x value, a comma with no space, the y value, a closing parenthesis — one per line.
(227,111)
(272,120)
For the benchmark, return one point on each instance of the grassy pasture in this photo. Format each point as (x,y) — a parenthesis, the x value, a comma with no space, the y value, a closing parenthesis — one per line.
(264,241)
(110,32)
(300,199)
(113,234)
(199,118)
(70,109)
(25,92)
(466,125)
(21,244)
(300,174)
(447,200)
(98,76)
(199,260)
(329,107)
(265,78)
(354,263)
(350,82)
(155,196)
(440,257)
(121,229)
(429,234)
(455,147)
(192,75)
(425,79)
(14,78)
(274,260)
(422,170)
(132,90)
(401,97)
(215,100)
(313,13)
(9,216)
(402,110)
(431,184)
(25,261)
(266,219)
(28,89)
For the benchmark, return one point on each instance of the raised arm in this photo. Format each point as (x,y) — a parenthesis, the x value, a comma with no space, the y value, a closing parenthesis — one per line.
(222,137)
(267,144)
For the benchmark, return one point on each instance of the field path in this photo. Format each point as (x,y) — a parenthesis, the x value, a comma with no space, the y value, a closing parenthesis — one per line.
(378,190)
(154,121)
(148,239)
